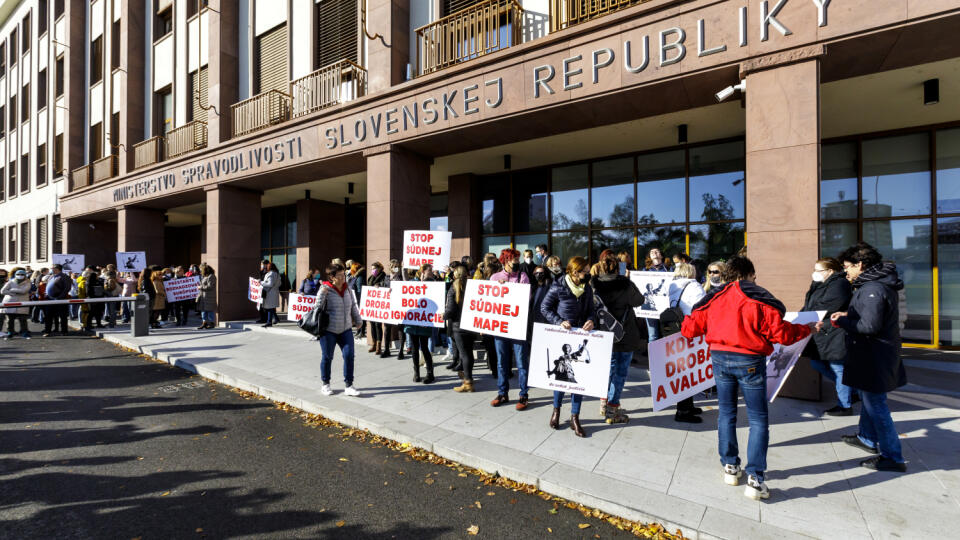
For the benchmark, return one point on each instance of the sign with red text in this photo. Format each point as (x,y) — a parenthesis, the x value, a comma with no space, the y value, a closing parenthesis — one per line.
(375,305)
(418,303)
(679,368)
(255,291)
(498,309)
(427,247)
(181,289)
(780,363)
(572,360)
(300,305)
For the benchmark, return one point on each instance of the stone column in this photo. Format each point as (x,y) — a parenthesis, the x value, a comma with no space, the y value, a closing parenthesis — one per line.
(398,198)
(321,234)
(387,57)
(233,247)
(463,215)
(783,173)
(133,20)
(74,83)
(96,240)
(142,229)
(222,69)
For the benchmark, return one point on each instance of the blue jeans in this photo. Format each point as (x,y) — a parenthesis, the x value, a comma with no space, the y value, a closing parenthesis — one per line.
(876,426)
(653,329)
(575,401)
(519,351)
(834,371)
(749,373)
(207,316)
(328,344)
(619,367)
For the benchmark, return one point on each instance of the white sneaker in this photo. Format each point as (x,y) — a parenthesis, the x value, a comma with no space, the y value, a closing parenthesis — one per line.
(447,358)
(326,390)
(351,391)
(732,474)
(756,489)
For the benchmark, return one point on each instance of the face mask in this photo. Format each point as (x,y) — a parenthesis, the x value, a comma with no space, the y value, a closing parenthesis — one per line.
(20,277)
(394,269)
(585,280)
(374,272)
(817,276)
(556,270)
(715,282)
(528,260)
(539,277)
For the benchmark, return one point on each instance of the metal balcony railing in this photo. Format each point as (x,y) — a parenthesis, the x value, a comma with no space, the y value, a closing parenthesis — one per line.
(336,83)
(471,32)
(259,112)
(567,13)
(80,178)
(186,138)
(104,168)
(148,152)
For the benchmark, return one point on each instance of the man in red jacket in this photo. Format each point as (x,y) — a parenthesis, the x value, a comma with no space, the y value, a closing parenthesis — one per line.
(741,322)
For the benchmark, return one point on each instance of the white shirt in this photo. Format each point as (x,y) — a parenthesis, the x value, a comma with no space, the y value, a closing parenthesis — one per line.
(690,296)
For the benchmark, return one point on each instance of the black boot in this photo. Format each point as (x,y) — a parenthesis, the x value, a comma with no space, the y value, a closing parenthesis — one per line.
(555,418)
(416,370)
(429,378)
(575,425)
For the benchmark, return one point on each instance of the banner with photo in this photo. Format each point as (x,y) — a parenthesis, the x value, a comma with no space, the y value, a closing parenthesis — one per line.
(655,287)
(498,309)
(427,247)
(131,261)
(573,360)
(418,303)
(780,363)
(300,305)
(375,305)
(70,262)
(181,289)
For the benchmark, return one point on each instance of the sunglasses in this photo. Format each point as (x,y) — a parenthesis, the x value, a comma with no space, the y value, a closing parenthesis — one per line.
(717,272)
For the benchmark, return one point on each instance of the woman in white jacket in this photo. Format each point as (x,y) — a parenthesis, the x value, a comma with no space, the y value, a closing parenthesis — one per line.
(16,290)
(685,292)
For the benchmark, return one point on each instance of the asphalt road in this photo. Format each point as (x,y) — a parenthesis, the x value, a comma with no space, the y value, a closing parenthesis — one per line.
(96,442)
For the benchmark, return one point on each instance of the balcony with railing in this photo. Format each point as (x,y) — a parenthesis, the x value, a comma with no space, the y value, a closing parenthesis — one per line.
(148,152)
(260,112)
(104,168)
(80,178)
(330,85)
(186,138)
(567,13)
(471,32)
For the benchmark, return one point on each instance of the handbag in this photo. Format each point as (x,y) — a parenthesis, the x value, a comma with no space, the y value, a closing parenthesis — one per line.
(671,319)
(316,320)
(607,321)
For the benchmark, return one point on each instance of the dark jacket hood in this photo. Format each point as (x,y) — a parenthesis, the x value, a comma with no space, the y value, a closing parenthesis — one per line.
(604,283)
(885,273)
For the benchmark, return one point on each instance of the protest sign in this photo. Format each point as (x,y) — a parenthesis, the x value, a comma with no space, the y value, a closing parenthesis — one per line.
(427,247)
(254,291)
(573,360)
(182,289)
(679,368)
(780,363)
(375,305)
(497,309)
(418,303)
(655,287)
(300,305)
(70,262)
(131,261)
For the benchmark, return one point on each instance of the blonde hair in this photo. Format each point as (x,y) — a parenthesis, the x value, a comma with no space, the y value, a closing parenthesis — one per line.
(459,282)
(575,266)
(719,265)
(685,270)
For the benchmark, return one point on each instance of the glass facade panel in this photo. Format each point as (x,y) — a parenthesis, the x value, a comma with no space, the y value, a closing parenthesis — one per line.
(611,196)
(948,171)
(495,197)
(715,241)
(618,240)
(493,244)
(838,188)
(568,197)
(717,182)
(438,212)
(668,240)
(896,176)
(529,241)
(836,237)
(530,189)
(661,188)
(948,256)
(569,244)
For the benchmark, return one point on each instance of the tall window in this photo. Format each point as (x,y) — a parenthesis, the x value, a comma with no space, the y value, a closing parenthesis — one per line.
(3,129)
(58,155)
(42,89)
(114,134)
(3,191)
(3,238)
(3,58)
(59,83)
(192,7)
(24,173)
(12,243)
(25,103)
(41,164)
(57,9)
(42,239)
(164,111)
(13,112)
(26,33)
(337,31)
(96,142)
(270,60)
(41,17)
(96,61)
(13,48)
(115,46)
(198,82)
(12,178)
(163,22)
(57,234)
(278,238)
(25,241)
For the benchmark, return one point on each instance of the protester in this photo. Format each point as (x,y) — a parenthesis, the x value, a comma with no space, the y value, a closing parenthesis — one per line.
(160,298)
(419,339)
(830,292)
(181,309)
(656,264)
(541,254)
(270,296)
(741,322)
(145,286)
(873,366)
(714,276)
(264,265)
(509,351)
(90,285)
(129,282)
(58,288)
(527,265)
(311,283)
(569,303)
(355,281)
(393,331)
(341,307)
(207,298)
(111,289)
(16,290)
(74,293)
(685,291)
(377,278)
(462,339)
(620,296)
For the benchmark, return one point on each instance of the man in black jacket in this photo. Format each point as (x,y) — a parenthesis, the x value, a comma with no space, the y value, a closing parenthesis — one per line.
(873,366)
(58,288)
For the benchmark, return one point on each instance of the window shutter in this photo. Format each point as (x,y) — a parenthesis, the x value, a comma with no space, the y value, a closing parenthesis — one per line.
(25,241)
(271,61)
(337,32)
(42,239)
(199,113)
(453,6)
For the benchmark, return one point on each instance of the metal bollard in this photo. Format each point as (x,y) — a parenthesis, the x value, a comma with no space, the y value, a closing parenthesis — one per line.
(140,325)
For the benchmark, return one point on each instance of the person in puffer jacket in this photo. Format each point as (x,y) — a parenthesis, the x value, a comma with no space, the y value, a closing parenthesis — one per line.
(340,305)
(741,321)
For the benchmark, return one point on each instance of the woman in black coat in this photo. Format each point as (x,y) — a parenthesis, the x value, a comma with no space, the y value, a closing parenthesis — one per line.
(830,292)
(462,339)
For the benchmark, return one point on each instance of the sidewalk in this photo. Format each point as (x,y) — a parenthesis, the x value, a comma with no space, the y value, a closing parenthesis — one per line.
(652,469)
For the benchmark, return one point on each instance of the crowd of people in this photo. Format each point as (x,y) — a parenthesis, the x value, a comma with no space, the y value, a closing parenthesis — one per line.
(856,345)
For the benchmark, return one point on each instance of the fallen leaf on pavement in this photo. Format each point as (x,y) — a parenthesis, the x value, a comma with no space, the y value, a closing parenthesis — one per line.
(584,525)
(462,475)
(490,494)
(553,510)
(429,481)
(341,523)
(473,530)
(477,503)
(344,459)
(270,437)
(289,474)
(549,530)
(165,493)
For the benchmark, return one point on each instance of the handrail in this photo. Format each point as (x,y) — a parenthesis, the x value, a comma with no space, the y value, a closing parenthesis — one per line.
(186,138)
(80,177)
(104,168)
(332,84)
(260,112)
(567,13)
(148,152)
(468,33)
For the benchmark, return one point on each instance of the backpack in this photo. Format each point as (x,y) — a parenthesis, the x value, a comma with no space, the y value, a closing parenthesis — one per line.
(671,319)
(606,320)
(95,288)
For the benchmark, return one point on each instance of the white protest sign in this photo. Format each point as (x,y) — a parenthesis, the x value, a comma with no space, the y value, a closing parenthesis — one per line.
(780,363)
(182,289)
(573,361)
(655,288)
(427,247)
(70,262)
(679,368)
(418,303)
(497,309)
(300,305)
(131,261)
(254,290)
(375,305)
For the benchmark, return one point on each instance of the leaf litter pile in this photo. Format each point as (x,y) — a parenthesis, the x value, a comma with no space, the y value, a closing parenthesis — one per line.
(640,530)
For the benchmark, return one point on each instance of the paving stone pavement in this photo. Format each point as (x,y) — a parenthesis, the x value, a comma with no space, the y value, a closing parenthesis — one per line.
(651,469)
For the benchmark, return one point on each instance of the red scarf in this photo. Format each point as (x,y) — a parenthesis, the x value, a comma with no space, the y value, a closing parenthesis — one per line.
(340,291)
